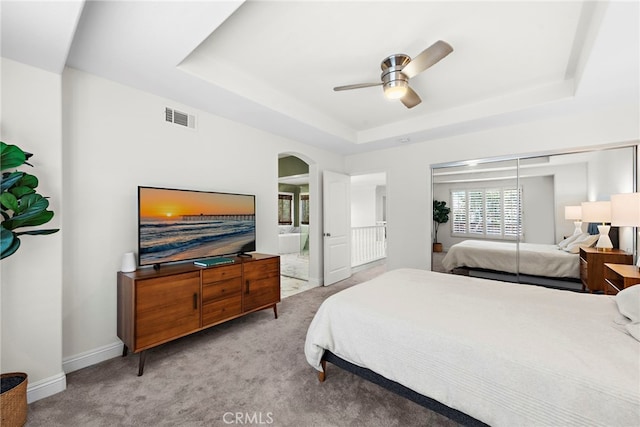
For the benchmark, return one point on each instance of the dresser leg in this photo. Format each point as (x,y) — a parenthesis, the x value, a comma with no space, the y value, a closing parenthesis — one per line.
(143,355)
(275,311)
(125,350)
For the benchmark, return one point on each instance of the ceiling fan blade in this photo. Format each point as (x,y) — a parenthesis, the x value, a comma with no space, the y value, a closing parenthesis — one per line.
(427,58)
(411,99)
(356,86)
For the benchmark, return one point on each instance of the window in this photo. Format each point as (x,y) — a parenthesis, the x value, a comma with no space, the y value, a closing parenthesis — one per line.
(304,209)
(285,209)
(494,213)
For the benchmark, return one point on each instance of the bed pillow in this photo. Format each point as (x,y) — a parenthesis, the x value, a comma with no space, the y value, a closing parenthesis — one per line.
(628,301)
(564,243)
(586,242)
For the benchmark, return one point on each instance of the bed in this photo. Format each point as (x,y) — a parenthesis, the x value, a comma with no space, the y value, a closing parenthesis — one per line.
(531,263)
(500,354)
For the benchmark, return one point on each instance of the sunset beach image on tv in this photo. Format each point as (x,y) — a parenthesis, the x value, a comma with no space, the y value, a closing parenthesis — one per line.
(179,225)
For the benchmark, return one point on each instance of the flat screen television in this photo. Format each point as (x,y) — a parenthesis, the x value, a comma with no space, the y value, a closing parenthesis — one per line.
(181,225)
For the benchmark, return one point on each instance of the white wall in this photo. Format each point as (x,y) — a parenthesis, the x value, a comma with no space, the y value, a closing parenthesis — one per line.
(108,139)
(31,291)
(408,166)
(117,139)
(363,206)
(610,172)
(570,189)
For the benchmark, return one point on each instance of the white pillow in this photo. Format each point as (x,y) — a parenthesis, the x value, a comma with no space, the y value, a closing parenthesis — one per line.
(634,330)
(564,243)
(587,242)
(628,301)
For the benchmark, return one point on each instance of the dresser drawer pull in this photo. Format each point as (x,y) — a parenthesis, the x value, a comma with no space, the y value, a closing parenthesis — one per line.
(246,287)
(195,301)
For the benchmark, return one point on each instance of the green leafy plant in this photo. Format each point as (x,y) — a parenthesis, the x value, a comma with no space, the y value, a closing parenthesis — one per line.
(440,216)
(21,205)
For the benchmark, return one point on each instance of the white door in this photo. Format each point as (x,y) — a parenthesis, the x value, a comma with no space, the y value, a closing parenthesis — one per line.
(336,190)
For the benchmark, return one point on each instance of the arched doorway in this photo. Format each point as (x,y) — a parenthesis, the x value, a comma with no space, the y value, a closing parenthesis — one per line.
(296,223)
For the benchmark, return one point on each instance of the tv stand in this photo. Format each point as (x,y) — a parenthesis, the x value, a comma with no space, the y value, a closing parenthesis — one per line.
(158,306)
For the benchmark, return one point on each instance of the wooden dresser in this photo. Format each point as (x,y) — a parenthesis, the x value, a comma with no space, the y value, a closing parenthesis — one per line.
(155,307)
(592,266)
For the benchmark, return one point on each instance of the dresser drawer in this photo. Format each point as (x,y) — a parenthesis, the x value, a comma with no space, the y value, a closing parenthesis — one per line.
(262,268)
(221,289)
(220,310)
(221,273)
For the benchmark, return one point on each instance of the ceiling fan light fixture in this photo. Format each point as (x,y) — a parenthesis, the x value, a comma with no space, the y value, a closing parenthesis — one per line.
(395,89)
(399,68)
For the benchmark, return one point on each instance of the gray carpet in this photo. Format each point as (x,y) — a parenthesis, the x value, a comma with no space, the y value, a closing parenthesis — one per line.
(252,366)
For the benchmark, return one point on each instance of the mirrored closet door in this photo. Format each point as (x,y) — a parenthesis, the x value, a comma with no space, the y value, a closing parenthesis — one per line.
(507,216)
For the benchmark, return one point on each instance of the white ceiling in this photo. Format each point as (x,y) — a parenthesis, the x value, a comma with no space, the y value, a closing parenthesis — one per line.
(273,64)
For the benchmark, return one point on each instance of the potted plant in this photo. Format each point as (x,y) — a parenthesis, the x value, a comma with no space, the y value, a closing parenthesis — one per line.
(440,216)
(21,205)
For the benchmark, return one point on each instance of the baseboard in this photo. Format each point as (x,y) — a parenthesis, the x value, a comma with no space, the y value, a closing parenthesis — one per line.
(46,387)
(315,282)
(368,265)
(92,357)
(58,383)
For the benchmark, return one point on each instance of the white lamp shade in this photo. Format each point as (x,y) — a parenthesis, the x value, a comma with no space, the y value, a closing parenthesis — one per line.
(596,211)
(573,212)
(625,210)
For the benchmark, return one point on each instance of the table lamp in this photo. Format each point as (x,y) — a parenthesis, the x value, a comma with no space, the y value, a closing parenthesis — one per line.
(625,212)
(599,212)
(574,213)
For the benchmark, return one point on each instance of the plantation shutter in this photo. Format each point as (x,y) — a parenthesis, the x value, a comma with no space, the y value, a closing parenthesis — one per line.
(493,215)
(459,212)
(476,212)
(512,212)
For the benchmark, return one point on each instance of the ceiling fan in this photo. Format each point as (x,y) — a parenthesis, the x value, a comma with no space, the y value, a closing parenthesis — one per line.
(399,68)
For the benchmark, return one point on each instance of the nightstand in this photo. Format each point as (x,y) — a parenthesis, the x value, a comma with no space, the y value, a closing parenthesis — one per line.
(592,266)
(620,276)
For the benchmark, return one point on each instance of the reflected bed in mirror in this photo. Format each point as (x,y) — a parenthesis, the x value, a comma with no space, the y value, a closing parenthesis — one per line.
(556,266)
(508,215)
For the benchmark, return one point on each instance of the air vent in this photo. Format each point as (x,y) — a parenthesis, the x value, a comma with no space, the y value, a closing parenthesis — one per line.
(179,118)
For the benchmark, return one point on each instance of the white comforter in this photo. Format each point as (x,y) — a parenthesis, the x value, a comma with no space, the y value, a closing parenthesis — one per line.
(506,354)
(534,259)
